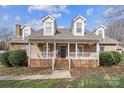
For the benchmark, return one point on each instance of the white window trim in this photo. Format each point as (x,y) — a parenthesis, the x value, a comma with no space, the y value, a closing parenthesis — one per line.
(102,46)
(49,27)
(77,27)
(81,46)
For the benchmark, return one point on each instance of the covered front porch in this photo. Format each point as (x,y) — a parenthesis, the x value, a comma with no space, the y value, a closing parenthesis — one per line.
(64,52)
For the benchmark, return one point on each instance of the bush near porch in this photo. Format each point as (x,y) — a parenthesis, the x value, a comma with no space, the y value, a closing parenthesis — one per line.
(110,58)
(14,58)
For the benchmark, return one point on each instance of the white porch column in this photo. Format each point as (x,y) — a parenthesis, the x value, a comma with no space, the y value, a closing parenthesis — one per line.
(68,50)
(76,50)
(54,49)
(54,55)
(47,50)
(69,56)
(29,54)
(97,51)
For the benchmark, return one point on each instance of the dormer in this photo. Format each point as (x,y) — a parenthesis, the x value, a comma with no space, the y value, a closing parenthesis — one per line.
(100,30)
(26,31)
(78,26)
(49,25)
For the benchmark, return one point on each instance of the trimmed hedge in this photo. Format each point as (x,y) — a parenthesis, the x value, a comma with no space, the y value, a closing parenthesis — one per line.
(18,58)
(110,58)
(4,59)
(107,58)
(118,57)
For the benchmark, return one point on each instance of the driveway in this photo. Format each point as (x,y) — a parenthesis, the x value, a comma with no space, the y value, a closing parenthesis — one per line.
(57,74)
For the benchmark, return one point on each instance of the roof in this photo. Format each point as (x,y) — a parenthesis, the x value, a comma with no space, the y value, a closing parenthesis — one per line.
(120,48)
(108,40)
(18,40)
(101,26)
(48,16)
(79,16)
(64,34)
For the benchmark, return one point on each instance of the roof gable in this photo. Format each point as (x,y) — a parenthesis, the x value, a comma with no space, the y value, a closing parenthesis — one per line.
(79,16)
(101,26)
(49,16)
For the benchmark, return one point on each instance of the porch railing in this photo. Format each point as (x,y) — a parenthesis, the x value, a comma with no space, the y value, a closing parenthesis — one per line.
(51,55)
(42,55)
(83,55)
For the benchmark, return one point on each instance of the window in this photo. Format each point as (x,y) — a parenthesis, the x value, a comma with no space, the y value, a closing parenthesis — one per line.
(102,48)
(26,33)
(78,27)
(100,32)
(79,50)
(44,48)
(48,27)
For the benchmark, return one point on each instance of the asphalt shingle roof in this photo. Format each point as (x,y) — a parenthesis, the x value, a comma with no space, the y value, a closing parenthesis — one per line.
(65,34)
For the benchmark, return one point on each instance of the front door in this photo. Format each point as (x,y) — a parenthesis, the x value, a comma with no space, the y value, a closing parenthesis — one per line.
(63,51)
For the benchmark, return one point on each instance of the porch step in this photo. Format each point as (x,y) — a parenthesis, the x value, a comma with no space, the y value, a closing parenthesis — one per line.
(61,64)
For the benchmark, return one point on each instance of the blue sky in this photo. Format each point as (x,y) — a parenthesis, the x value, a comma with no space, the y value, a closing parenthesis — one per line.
(22,14)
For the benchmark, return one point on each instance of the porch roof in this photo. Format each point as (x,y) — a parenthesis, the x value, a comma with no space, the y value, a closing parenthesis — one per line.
(64,34)
(18,40)
(108,40)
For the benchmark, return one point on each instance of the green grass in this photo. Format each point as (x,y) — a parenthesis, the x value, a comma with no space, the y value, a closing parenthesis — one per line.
(33,83)
(15,71)
(81,78)
(62,83)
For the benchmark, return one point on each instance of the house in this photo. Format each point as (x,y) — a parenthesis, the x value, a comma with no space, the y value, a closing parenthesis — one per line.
(63,47)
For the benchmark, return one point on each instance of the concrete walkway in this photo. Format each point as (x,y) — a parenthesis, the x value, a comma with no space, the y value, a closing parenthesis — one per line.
(57,74)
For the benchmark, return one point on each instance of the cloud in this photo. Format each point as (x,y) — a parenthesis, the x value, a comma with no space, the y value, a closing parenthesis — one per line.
(5,17)
(89,11)
(108,11)
(17,18)
(27,17)
(36,24)
(56,15)
(3,6)
(50,9)
(61,27)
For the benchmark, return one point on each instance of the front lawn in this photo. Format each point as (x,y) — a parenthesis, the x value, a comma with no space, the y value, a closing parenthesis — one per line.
(14,71)
(101,77)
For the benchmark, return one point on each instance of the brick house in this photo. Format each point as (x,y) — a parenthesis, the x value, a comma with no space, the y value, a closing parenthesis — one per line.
(62,47)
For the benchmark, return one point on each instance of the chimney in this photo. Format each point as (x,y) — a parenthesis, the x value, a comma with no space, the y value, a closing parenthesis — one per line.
(18,30)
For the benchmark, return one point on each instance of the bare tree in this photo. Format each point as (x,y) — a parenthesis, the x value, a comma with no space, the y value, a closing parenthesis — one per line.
(5,36)
(114,17)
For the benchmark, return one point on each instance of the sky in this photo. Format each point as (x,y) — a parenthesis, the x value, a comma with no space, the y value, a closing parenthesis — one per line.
(24,14)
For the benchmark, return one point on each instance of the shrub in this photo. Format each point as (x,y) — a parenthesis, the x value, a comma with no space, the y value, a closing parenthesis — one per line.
(18,58)
(118,57)
(107,58)
(4,59)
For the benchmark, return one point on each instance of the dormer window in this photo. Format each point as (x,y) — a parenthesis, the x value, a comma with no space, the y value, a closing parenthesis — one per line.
(48,27)
(101,31)
(26,31)
(78,24)
(79,27)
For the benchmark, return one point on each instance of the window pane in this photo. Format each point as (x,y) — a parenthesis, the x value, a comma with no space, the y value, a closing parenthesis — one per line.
(100,32)
(102,48)
(79,51)
(44,48)
(26,33)
(48,26)
(78,25)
